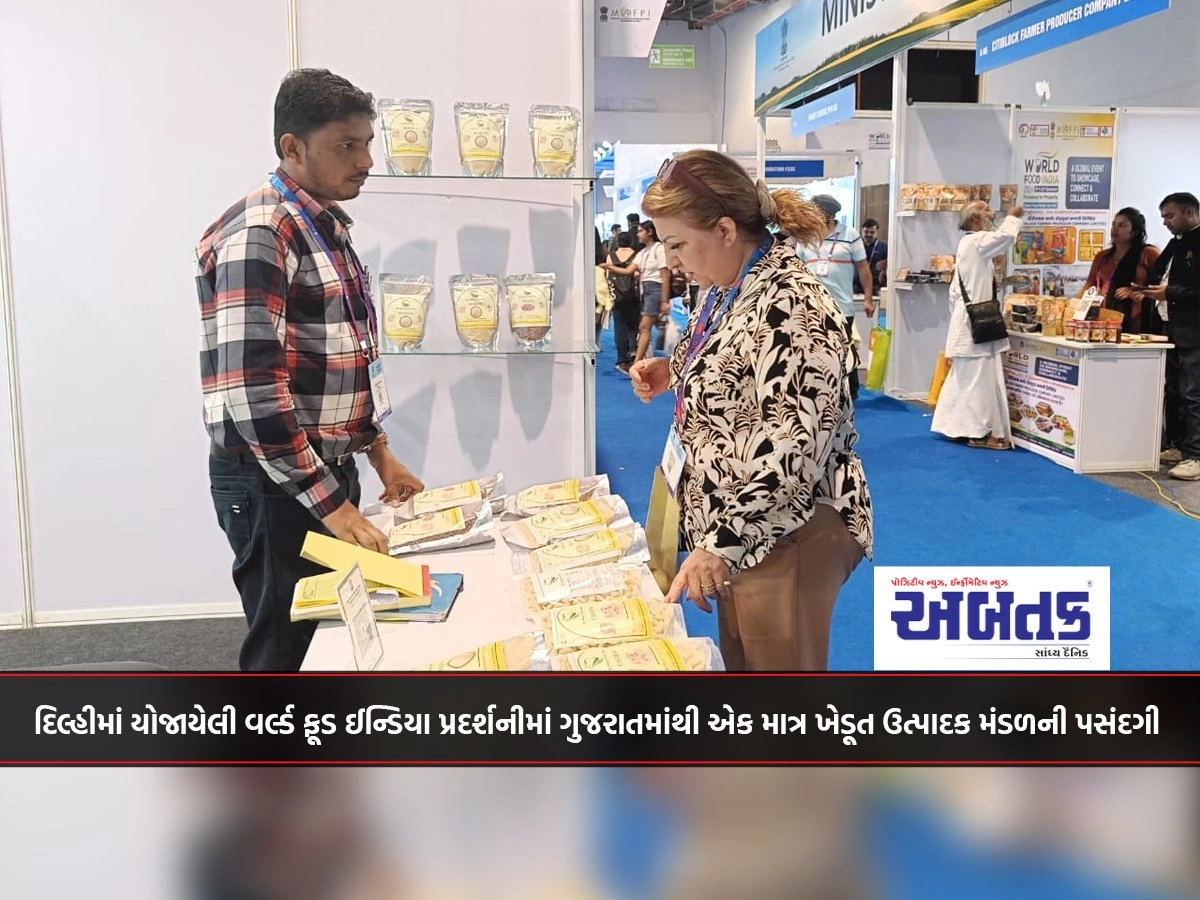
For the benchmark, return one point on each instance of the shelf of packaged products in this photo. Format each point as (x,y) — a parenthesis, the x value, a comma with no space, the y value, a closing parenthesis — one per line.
(417,179)
(503,348)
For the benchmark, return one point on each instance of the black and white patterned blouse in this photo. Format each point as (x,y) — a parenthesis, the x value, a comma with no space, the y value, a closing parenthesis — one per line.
(768,418)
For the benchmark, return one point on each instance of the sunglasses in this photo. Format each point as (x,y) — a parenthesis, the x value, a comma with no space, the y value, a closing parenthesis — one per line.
(672,171)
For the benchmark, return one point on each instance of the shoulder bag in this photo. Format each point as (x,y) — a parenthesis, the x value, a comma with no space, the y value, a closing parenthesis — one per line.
(987,324)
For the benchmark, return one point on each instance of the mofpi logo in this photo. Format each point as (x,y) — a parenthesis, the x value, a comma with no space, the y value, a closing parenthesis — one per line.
(1017,619)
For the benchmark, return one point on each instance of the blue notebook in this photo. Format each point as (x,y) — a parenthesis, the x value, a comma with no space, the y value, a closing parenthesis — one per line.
(443,589)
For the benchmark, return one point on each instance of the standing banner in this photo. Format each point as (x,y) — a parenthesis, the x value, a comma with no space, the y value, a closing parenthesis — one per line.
(1064,168)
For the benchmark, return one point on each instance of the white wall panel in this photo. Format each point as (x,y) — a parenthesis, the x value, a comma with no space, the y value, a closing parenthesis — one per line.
(128,127)
(1150,163)
(11,597)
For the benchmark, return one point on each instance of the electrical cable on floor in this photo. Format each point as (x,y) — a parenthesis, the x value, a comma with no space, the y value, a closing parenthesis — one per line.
(1171,499)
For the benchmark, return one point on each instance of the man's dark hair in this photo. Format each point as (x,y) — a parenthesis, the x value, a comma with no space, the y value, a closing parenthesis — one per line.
(1183,200)
(310,99)
(616,229)
(634,218)
(870,223)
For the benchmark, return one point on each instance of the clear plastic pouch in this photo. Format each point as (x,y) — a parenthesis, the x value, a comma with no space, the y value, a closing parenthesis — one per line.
(405,300)
(554,131)
(407,127)
(570,520)
(488,489)
(476,300)
(536,498)
(625,546)
(530,308)
(447,529)
(524,653)
(538,593)
(655,655)
(607,622)
(482,129)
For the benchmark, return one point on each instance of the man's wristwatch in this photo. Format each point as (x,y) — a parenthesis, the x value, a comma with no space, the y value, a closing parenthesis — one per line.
(380,441)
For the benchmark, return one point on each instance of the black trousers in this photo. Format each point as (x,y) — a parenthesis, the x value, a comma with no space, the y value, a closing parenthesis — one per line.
(1181,402)
(266,529)
(626,316)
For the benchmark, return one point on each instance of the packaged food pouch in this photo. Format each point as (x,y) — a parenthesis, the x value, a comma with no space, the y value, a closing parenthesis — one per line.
(908,197)
(540,497)
(407,135)
(555,134)
(489,489)
(405,310)
(566,521)
(530,304)
(606,622)
(655,655)
(482,128)
(623,545)
(983,192)
(518,654)
(448,529)
(946,198)
(1008,197)
(541,592)
(476,301)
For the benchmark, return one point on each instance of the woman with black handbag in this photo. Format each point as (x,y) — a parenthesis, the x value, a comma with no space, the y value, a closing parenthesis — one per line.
(972,406)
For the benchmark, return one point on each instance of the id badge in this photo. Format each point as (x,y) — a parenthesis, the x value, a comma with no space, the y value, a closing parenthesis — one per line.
(379,391)
(821,268)
(673,458)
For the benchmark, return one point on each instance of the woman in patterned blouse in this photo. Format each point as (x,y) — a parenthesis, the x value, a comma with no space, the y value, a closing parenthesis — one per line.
(773,501)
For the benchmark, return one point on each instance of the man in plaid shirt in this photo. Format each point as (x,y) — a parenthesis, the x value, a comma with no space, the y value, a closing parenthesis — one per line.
(288,333)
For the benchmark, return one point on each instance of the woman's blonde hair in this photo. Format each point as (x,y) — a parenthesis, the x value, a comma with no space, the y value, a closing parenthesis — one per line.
(749,203)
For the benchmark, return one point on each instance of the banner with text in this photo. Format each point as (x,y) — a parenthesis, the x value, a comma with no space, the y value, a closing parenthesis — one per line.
(817,43)
(1064,174)
(1041,379)
(627,29)
(829,110)
(1054,24)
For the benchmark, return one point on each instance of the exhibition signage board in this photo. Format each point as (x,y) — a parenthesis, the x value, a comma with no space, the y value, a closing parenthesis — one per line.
(817,43)
(1041,381)
(1064,169)
(1055,24)
(794,168)
(828,110)
(673,56)
(627,29)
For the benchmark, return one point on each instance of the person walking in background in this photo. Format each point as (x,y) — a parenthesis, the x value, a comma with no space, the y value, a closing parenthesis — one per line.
(836,259)
(877,256)
(1174,289)
(612,240)
(287,344)
(604,298)
(972,406)
(1127,262)
(774,506)
(627,307)
(654,279)
(634,222)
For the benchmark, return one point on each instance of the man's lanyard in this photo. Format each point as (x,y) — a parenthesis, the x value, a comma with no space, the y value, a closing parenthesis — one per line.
(367,346)
(710,318)
(871,255)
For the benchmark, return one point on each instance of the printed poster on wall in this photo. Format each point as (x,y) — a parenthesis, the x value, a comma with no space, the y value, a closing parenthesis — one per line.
(1064,173)
(1042,384)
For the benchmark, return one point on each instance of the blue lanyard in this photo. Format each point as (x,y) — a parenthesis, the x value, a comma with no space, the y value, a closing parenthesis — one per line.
(366,346)
(710,318)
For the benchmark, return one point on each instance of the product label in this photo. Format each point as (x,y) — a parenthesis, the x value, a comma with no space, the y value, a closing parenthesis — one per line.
(603,622)
(448,521)
(404,315)
(475,307)
(485,659)
(549,494)
(480,136)
(637,656)
(529,305)
(556,587)
(446,497)
(566,519)
(601,547)
(407,132)
(556,139)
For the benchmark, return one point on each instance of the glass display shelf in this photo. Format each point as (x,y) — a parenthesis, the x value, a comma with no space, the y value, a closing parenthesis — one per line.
(504,347)
(419,179)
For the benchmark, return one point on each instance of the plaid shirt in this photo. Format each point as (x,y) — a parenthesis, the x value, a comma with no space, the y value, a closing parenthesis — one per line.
(282,373)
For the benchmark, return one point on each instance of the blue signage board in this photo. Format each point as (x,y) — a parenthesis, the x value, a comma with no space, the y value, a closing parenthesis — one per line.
(830,109)
(795,168)
(1054,24)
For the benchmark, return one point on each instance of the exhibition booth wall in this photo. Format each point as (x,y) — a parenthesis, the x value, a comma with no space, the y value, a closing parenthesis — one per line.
(121,144)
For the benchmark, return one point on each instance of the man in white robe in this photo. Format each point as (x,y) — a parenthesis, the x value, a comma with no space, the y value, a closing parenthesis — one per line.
(972,405)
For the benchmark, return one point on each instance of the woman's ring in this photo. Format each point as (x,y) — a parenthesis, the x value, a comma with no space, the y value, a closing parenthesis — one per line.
(708,587)
(726,583)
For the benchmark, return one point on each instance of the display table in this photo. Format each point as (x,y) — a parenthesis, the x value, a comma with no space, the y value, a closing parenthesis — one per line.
(1092,407)
(482,613)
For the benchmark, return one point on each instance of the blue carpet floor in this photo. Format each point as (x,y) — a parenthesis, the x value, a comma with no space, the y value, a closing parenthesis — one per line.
(938,503)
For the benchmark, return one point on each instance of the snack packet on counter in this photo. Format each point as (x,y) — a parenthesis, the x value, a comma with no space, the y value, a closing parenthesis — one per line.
(624,546)
(482,128)
(541,592)
(405,310)
(541,497)
(447,529)
(407,127)
(655,655)
(488,489)
(606,622)
(476,300)
(524,653)
(567,521)
(555,134)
